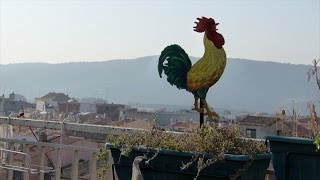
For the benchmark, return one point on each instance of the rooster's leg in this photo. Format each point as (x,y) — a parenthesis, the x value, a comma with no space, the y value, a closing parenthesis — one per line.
(209,113)
(196,105)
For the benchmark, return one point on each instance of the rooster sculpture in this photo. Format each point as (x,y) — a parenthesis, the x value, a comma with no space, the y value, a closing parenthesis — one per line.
(197,79)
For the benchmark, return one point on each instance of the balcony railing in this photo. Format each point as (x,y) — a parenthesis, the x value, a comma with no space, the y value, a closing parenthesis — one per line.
(20,159)
(23,164)
(56,125)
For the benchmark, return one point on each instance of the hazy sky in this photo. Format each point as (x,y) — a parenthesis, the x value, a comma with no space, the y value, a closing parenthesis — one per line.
(56,31)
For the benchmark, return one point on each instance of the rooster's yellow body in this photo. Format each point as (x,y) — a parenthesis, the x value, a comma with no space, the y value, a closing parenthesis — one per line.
(207,70)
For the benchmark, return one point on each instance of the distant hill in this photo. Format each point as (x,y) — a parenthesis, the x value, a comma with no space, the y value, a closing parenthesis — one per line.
(246,85)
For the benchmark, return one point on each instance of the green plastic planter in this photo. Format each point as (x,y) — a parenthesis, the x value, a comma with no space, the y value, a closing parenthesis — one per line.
(167,165)
(294,158)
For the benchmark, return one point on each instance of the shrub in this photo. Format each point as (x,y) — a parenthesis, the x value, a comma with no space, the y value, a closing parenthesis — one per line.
(208,139)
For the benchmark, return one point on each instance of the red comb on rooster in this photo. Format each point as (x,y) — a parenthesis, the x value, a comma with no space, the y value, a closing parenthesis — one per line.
(209,26)
(205,23)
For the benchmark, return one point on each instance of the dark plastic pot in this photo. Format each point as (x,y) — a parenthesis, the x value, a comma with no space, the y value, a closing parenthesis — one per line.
(166,165)
(294,158)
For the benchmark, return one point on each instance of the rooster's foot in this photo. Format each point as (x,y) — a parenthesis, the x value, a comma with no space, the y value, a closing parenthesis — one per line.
(200,110)
(196,106)
(211,115)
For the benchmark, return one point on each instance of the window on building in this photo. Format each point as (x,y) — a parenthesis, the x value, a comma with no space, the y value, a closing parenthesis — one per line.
(251,133)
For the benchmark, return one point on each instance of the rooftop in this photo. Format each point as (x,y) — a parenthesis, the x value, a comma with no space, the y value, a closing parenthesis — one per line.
(53,96)
(258,120)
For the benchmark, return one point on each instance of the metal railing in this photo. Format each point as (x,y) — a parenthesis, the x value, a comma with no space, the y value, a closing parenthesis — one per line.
(23,164)
(56,125)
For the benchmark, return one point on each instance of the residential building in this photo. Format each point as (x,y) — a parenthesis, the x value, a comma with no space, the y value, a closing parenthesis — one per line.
(166,118)
(259,127)
(69,107)
(17,97)
(88,107)
(13,104)
(138,113)
(112,111)
(51,100)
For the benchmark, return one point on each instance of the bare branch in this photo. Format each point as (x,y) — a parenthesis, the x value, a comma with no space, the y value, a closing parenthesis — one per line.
(313,71)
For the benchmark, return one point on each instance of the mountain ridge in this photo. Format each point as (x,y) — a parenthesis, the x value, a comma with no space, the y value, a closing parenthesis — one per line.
(248,85)
(151,56)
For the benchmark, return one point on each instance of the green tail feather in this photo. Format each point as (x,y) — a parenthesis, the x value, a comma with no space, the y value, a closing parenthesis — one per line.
(175,63)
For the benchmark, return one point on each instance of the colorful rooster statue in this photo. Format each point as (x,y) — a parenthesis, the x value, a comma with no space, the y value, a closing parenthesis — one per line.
(197,79)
